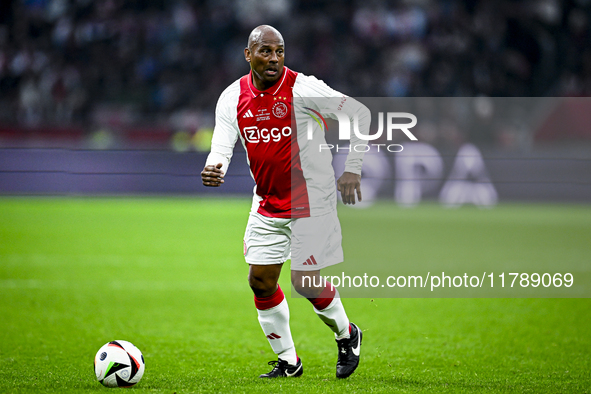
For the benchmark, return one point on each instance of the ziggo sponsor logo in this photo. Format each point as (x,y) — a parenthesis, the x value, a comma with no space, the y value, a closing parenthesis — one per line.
(253,134)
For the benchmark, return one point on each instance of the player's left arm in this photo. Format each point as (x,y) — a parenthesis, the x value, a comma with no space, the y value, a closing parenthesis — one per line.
(349,184)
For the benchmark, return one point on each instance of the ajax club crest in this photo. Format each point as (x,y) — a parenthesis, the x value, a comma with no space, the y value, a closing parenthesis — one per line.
(279,109)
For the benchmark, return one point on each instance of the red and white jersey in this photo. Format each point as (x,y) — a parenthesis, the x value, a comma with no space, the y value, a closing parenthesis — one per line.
(293,177)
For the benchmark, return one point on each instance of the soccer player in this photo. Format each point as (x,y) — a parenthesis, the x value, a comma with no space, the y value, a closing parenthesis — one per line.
(294,203)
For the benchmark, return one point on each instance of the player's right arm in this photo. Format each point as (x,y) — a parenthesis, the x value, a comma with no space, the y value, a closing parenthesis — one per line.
(225,134)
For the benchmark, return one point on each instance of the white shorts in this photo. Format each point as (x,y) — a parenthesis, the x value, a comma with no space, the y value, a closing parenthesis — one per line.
(312,243)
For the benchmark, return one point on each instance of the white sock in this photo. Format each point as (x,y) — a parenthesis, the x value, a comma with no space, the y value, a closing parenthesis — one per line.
(275,324)
(335,317)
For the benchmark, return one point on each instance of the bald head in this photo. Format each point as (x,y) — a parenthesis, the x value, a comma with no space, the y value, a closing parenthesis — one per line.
(265,53)
(263,34)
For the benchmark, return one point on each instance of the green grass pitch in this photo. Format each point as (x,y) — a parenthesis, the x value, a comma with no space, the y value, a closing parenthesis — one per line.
(168,275)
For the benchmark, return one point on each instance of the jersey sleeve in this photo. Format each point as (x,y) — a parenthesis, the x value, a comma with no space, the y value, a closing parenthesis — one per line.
(313,87)
(225,132)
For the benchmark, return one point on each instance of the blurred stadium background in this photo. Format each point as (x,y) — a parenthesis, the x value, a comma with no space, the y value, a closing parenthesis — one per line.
(118,97)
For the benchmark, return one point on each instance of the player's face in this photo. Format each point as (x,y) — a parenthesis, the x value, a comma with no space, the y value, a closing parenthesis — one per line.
(266,61)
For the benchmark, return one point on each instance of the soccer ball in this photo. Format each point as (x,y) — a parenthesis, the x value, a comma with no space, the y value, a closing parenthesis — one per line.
(119,364)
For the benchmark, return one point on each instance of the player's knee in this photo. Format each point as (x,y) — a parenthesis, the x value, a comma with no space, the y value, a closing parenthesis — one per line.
(261,286)
(263,279)
(303,285)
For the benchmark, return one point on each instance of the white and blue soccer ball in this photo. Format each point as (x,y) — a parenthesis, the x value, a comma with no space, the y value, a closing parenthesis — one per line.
(119,364)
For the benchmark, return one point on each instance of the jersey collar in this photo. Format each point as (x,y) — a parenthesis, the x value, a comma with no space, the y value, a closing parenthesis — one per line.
(273,90)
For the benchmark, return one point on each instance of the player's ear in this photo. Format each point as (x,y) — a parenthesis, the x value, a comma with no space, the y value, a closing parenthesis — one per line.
(247,54)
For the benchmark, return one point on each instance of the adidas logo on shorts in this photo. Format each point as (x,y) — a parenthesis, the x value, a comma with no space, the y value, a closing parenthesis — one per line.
(310,261)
